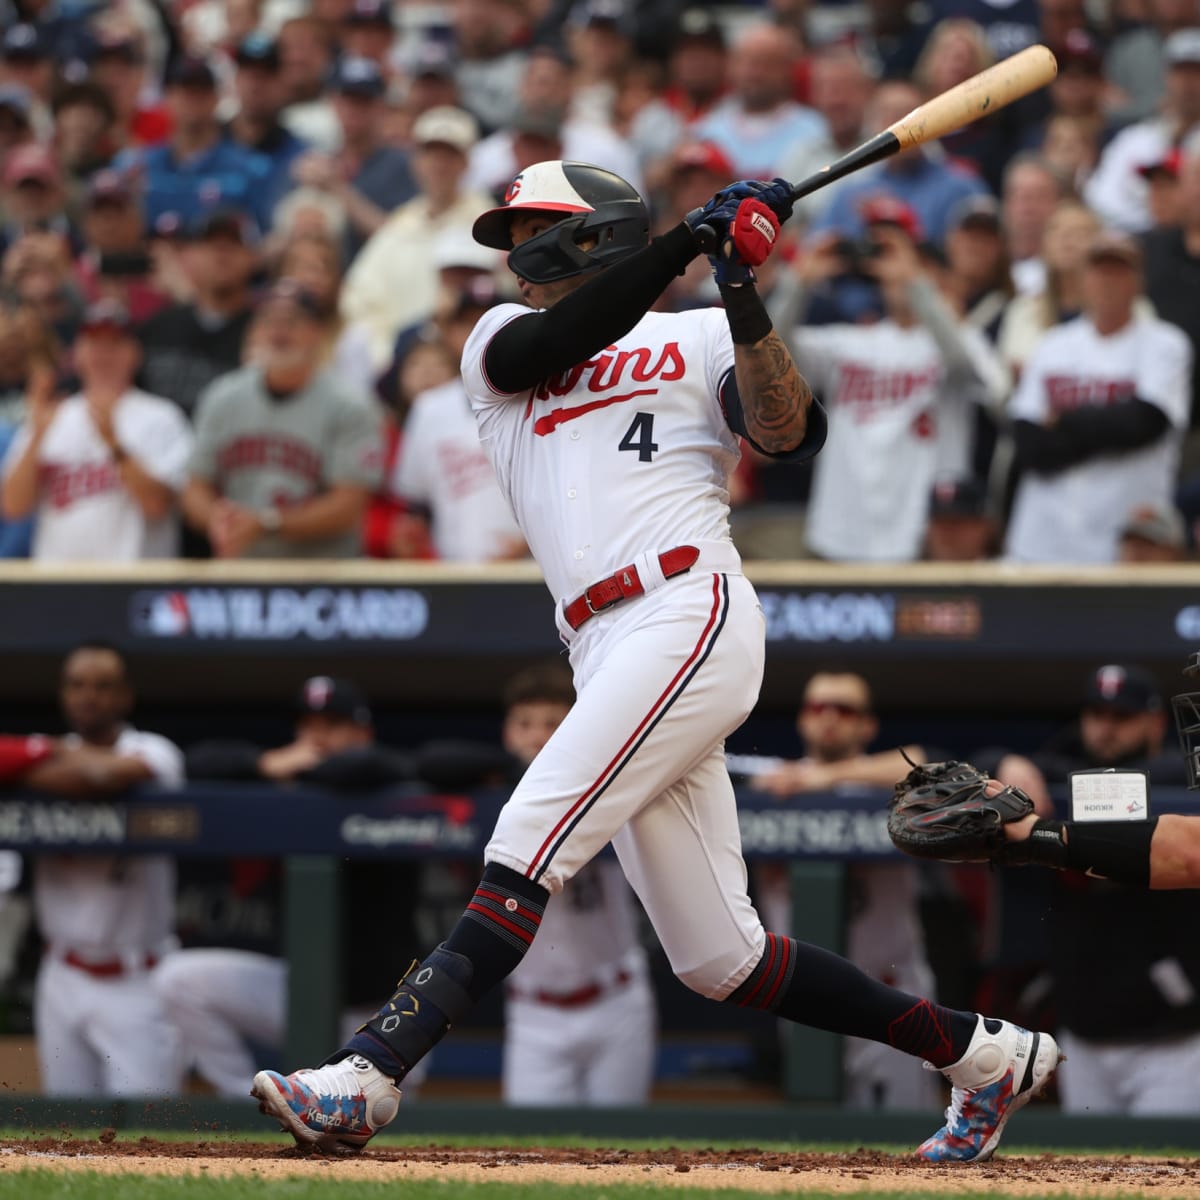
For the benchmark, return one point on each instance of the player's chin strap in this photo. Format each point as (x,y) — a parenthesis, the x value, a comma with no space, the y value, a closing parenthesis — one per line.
(430,999)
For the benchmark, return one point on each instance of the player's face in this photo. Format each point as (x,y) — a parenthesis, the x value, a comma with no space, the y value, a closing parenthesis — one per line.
(1110,735)
(540,295)
(94,693)
(332,735)
(528,726)
(835,720)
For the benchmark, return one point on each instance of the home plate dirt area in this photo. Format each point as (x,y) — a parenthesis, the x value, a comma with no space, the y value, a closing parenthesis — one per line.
(754,1170)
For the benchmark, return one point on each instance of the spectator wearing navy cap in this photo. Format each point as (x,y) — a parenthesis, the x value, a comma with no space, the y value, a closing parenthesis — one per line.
(366,31)
(188,345)
(961,525)
(16,117)
(370,178)
(1164,196)
(25,60)
(259,88)
(117,62)
(431,79)
(198,168)
(84,131)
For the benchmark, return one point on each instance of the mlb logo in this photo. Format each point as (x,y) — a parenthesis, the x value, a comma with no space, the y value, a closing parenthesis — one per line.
(168,615)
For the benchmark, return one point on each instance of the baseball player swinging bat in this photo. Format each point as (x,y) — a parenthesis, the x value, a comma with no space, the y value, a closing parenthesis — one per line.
(982,94)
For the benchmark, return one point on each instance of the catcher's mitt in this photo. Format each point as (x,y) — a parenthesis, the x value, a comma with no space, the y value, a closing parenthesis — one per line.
(942,810)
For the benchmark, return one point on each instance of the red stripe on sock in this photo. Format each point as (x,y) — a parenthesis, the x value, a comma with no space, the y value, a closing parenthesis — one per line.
(520,910)
(748,1001)
(523,934)
(781,975)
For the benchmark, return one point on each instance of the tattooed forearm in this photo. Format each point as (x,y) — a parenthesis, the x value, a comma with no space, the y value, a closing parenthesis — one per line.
(775,396)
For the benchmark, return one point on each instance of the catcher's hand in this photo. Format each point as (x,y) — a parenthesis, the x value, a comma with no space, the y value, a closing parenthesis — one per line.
(944,811)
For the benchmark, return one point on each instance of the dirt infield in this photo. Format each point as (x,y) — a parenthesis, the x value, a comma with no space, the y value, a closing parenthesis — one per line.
(754,1170)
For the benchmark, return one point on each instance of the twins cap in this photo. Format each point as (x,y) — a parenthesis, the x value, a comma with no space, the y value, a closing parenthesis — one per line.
(979,211)
(109,315)
(335,698)
(701,156)
(1080,48)
(1115,246)
(190,71)
(1122,688)
(31,162)
(108,186)
(883,209)
(23,43)
(257,50)
(357,76)
(1168,164)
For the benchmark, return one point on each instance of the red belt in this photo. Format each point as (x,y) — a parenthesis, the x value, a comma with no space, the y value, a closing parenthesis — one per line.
(625,584)
(109,968)
(579,997)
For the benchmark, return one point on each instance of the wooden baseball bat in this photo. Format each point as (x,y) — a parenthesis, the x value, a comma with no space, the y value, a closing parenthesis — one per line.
(979,96)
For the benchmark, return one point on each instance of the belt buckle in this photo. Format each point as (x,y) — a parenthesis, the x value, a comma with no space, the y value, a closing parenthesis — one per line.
(595,612)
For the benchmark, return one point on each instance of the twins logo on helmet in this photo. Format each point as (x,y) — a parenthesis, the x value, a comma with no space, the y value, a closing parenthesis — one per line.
(590,205)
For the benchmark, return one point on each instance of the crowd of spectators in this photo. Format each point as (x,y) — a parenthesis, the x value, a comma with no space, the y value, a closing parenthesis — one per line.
(236,266)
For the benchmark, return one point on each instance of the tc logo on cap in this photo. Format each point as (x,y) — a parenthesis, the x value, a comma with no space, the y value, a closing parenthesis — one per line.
(317,692)
(514,190)
(1109,681)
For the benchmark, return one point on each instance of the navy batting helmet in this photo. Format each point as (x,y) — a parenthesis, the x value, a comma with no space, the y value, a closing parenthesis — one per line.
(593,205)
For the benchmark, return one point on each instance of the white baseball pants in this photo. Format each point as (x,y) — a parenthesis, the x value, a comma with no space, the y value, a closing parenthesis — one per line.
(1136,1078)
(640,761)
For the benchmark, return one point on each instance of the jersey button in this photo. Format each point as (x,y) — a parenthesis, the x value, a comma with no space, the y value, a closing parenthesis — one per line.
(574,435)
(578,553)
(570,493)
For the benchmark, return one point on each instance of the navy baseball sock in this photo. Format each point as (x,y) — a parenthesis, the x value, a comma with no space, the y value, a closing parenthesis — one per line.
(489,940)
(815,987)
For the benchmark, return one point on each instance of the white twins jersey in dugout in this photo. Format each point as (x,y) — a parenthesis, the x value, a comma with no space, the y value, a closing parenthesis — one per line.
(101,905)
(894,427)
(443,466)
(626,453)
(84,510)
(1075,515)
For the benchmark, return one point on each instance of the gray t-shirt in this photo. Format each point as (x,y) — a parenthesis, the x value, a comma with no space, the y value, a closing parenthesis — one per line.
(261,451)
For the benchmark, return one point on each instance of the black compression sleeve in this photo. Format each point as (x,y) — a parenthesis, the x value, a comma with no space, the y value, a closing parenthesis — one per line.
(748,319)
(1087,432)
(1116,850)
(535,347)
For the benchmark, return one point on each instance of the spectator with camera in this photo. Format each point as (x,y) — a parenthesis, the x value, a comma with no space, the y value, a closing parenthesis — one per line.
(102,469)
(904,388)
(286,455)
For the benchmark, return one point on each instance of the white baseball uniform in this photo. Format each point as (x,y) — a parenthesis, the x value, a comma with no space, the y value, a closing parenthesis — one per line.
(84,510)
(443,467)
(101,1026)
(584,978)
(1075,515)
(890,401)
(607,466)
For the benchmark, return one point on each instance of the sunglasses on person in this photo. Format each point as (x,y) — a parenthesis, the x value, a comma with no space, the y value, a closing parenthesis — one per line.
(816,708)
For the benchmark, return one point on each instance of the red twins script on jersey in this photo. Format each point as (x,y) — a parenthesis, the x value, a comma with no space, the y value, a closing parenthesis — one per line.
(63,483)
(604,373)
(1065,392)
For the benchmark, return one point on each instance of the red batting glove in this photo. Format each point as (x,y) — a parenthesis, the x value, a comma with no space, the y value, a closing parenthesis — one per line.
(754,230)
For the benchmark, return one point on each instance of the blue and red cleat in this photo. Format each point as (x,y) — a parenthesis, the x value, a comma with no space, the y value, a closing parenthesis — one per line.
(340,1106)
(1004,1067)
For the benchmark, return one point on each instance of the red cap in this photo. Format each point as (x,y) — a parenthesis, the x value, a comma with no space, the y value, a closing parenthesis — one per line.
(702,156)
(1169,164)
(887,210)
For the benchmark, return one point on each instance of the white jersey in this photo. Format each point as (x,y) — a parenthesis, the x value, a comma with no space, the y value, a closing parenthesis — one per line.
(443,466)
(1076,515)
(101,906)
(587,936)
(84,511)
(1115,191)
(626,453)
(895,426)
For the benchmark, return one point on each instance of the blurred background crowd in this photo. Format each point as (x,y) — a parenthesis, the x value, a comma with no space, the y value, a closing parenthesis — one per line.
(237,271)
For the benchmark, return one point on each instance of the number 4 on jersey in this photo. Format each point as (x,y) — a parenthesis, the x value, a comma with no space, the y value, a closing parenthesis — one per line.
(640,437)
